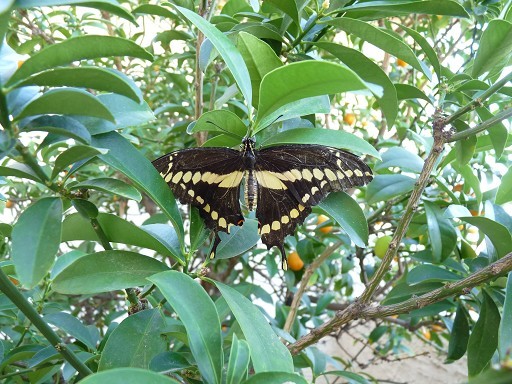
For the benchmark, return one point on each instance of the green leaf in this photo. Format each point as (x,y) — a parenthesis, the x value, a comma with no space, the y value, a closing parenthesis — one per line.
(291,8)
(327,137)
(67,101)
(238,361)
(349,215)
(402,158)
(428,273)
(460,334)
(276,377)
(226,49)
(259,58)
(199,316)
(121,231)
(108,185)
(369,72)
(442,235)
(267,352)
(240,240)
(36,239)
(85,208)
(353,377)
(406,91)
(504,193)
(471,180)
(405,7)
(102,79)
(75,49)
(465,149)
(496,232)
(167,362)
(494,49)
(219,121)
(497,132)
(128,376)
(505,330)
(484,339)
(73,155)
(106,271)
(303,79)
(61,126)
(385,187)
(138,337)
(128,160)
(72,326)
(19,170)
(380,39)
(152,9)
(198,231)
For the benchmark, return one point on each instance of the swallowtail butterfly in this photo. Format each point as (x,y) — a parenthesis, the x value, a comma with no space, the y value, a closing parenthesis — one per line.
(282,183)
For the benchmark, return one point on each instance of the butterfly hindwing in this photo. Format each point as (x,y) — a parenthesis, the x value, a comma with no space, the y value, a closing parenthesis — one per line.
(293,178)
(209,179)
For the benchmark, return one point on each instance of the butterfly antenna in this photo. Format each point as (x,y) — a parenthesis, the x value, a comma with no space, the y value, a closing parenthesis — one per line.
(224,130)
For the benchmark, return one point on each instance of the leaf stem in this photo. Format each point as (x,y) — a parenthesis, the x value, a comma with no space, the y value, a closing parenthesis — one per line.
(482,126)
(10,290)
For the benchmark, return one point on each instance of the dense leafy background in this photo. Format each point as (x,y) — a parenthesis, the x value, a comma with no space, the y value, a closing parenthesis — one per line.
(92,91)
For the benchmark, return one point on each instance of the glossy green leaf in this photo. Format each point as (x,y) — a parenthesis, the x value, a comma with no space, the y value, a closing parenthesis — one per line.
(19,170)
(72,326)
(505,330)
(167,362)
(497,132)
(327,137)
(121,231)
(78,48)
(442,235)
(303,107)
(460,334)
(240,240)
(471,180)
(238,361)
(353,377)
(226,49)
(128,376)
(402,158)
(198,231)
(260,59)
(370,72)
(106,271)
(36,239)
(156,10)
(385,187)
(291,8)
(504,193)
(267,352)
(484,339)
(67,101)
(303,79)
(494,49)
(276,377)
(138,337)
(428,273)
(219,121)
(102,79)
(126,112)
(497,233)
(109,185)
(128,160)
(405,7)
(406,91)
(85,208)
(465,148)
(59,125)
(380,39)
(73,155)
(199,316)
(65,260)
(349,215)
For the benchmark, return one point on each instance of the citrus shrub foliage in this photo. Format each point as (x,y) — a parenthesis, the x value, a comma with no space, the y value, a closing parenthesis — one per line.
(92,91)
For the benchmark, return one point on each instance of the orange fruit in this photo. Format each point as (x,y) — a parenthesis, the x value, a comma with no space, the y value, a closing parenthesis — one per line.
(426,334)
(401,63)
(437,328)
(9,204)
(349,118)
(20,63)
(473,212)
(322,219)
(295,263)
(457,188)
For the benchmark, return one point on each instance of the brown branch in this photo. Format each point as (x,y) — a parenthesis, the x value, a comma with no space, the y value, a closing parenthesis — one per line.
(358,310)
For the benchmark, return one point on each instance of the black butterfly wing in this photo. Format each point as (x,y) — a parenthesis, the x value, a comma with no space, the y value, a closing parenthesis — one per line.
(293,178)
(209,179)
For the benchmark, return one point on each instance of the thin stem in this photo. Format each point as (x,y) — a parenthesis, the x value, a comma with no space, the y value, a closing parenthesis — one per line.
(199,76)
(482,126)
(10,290)
(304,283)
(4,112)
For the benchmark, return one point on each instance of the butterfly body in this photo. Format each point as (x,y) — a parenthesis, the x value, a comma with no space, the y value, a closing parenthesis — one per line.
(282,183)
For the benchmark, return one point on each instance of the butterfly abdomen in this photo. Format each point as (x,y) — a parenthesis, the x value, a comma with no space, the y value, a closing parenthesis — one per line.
(251,190)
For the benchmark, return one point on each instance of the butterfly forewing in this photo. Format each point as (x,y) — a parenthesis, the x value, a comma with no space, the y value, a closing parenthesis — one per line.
(292,178)
(209,179)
